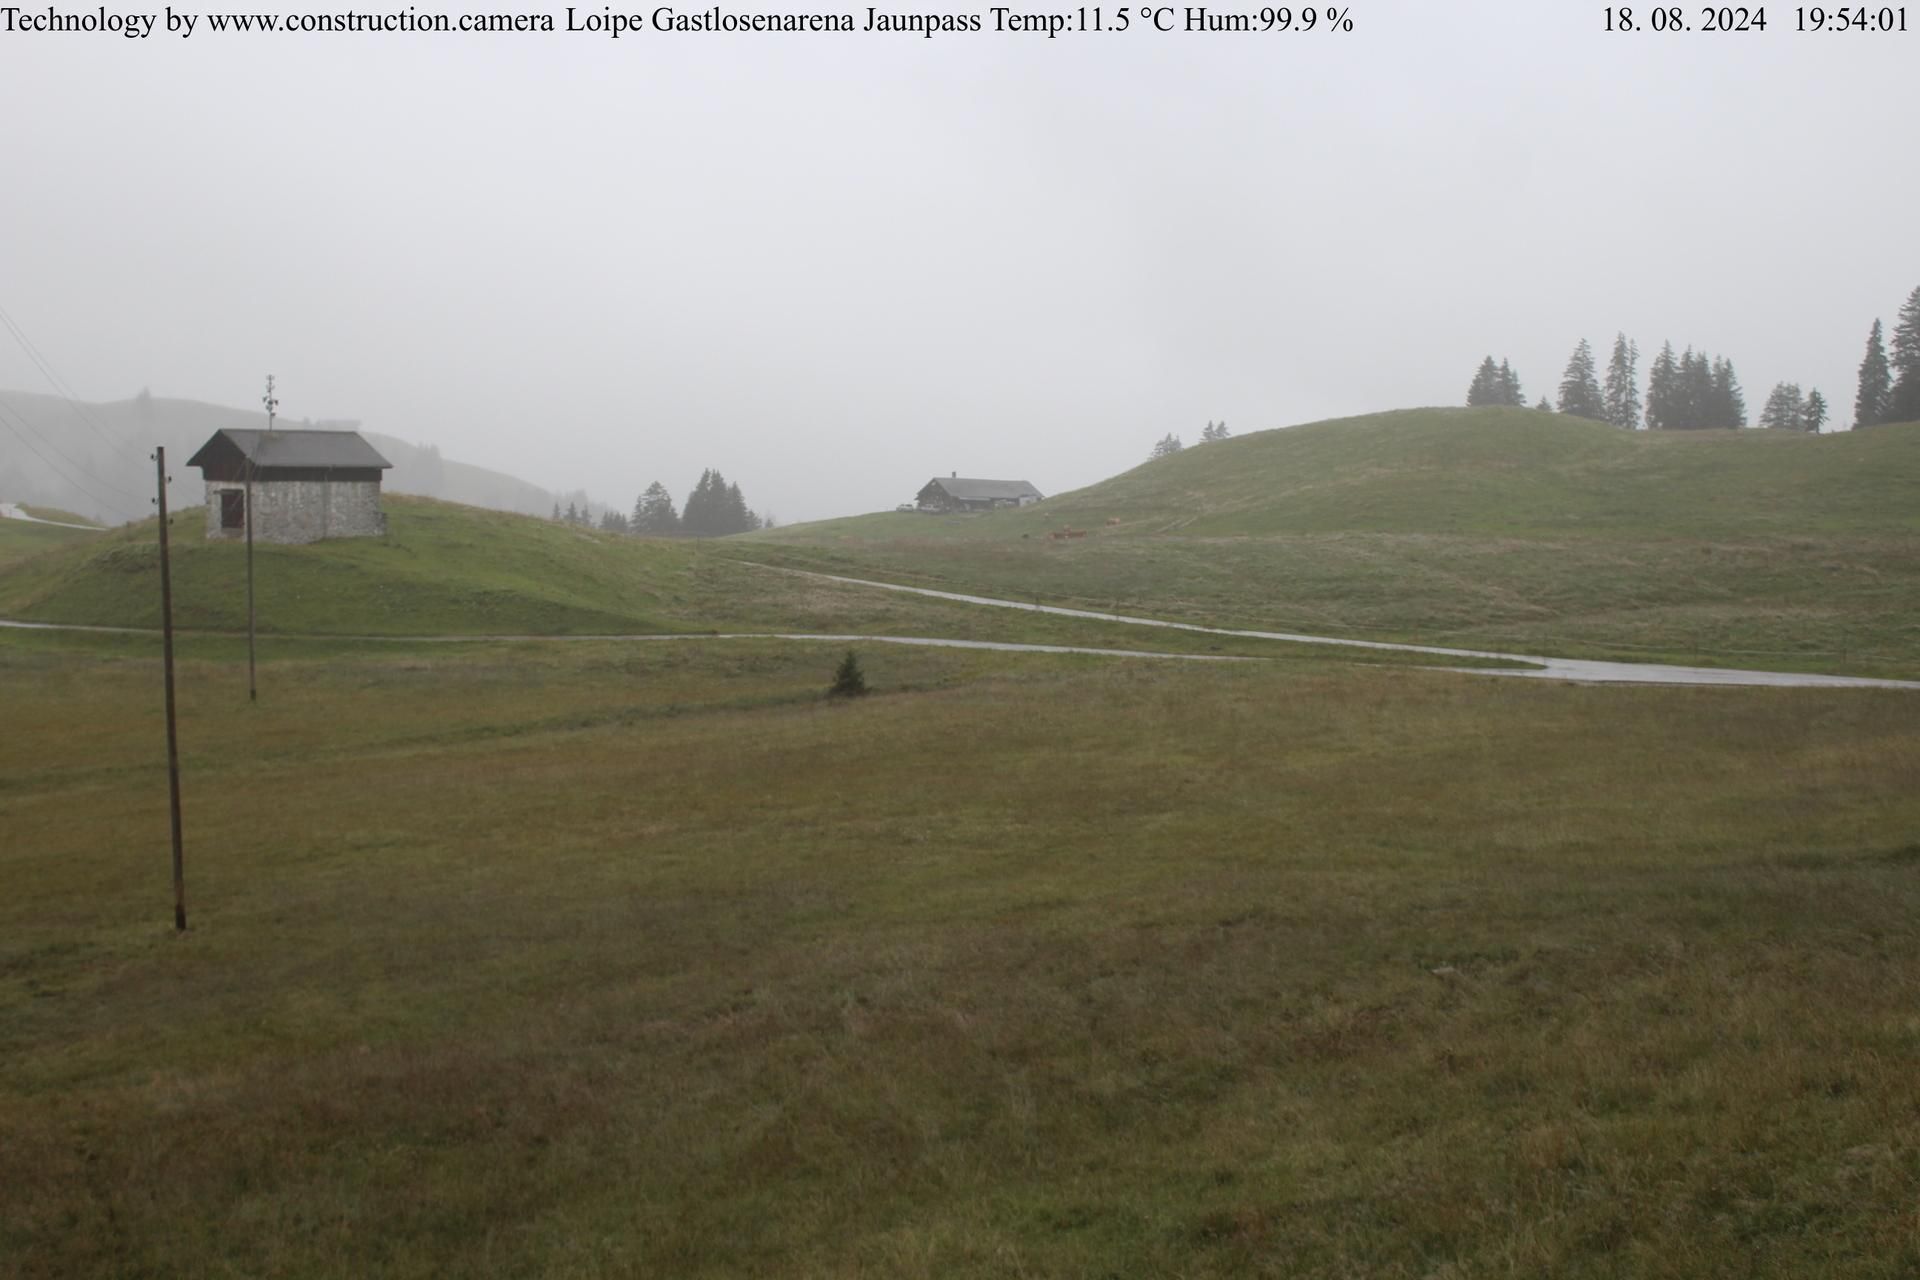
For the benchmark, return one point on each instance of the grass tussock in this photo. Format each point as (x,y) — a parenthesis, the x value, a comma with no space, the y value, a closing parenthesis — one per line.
(617,959)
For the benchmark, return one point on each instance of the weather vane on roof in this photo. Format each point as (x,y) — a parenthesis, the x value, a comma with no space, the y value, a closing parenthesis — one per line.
(271,401)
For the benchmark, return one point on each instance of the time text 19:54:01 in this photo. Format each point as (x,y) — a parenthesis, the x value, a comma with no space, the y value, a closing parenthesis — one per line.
(1740,18)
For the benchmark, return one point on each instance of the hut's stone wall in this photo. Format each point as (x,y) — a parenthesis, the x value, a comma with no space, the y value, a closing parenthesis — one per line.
(303,510)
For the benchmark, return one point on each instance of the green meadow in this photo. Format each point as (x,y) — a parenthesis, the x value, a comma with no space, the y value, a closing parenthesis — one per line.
(450,570)
(539,930)
(645,958)
(22,538)
(1484,528)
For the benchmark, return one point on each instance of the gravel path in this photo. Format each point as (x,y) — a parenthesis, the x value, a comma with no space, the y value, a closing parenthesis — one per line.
(935,642)
(1580,670)
(14,511)
(1577,670)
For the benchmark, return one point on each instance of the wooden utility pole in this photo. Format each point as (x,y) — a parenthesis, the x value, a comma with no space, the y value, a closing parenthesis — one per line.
(173,739)
(253,691)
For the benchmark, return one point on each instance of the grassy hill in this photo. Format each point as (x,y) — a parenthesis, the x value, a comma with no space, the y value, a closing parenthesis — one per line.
(1477,471)
(1498,527)
(443,568)
(21,538)
(1520,472)
(446,569)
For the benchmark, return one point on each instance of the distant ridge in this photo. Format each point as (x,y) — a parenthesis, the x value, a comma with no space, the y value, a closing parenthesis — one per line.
(96,456)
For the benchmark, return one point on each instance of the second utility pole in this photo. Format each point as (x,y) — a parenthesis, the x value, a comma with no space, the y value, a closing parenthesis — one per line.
(253,692)
(173,740)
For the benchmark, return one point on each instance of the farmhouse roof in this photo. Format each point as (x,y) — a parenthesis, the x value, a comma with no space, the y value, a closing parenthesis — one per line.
(985,490)
(309,449)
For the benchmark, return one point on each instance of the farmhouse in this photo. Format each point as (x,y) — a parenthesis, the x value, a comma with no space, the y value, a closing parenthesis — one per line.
(957,494)
(306,485)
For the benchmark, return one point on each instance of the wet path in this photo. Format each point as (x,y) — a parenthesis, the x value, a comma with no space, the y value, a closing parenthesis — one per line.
(1581,670)
(934,642)
(1578,670)
(14,511)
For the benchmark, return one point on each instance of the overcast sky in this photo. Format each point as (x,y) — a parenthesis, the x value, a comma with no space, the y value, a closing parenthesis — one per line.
(833,265)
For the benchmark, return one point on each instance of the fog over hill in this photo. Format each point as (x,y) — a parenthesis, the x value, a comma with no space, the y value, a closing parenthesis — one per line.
(96,458)
(865,260)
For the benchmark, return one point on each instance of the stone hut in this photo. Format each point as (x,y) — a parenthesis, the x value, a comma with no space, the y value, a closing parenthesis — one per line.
(306,485)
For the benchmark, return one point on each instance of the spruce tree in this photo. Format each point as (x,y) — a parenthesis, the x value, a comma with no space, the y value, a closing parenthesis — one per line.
(1623,385)
(1903,401)
(1786,408)
(1545,405)
(714,509)
(1485,387)
(848,680)
(1814,415)
(739,518)
(1689,394)
(573,514)
(1728,404)
(696,511)
(1663,389)
(1507,385)
(653,514)
(1875,397)
(1165,447)
(1695,408)
(699,517)
(1579,388)
(556,513)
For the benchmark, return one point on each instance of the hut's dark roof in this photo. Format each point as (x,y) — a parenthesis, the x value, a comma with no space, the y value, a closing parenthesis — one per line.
(985,490)
(308,449)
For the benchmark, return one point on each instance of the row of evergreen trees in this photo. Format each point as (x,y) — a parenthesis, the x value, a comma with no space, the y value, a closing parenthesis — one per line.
(714,509)
(1496,386)
(1788,410)
(1685,392)
(1695,391)
(1169,444)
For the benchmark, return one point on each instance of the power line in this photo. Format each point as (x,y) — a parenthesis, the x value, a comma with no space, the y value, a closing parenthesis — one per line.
(8,421)
(73,462)
(15,425)
(61,389)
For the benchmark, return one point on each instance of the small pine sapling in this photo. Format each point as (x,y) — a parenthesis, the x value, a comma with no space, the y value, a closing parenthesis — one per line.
(848,680)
